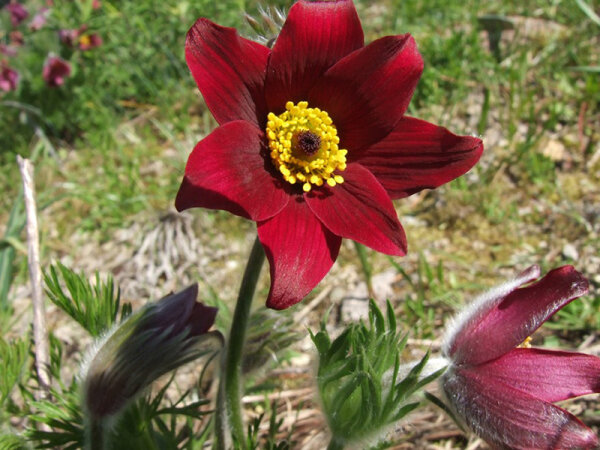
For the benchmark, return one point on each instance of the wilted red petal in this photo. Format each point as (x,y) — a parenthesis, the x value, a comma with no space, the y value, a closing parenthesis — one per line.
(300,251)
(360,209)
(509,418)
(513,316)
(227,170)
(548,375)
(229,71)
(368,91)
(314,37)
(418,155)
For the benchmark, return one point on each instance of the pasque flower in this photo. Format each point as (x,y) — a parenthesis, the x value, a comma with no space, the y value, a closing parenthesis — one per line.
(68,37)
(9,78)
(151,342)
(39,20)
(7,50)
(89,41)
(55,71)
(16,38)
(80,36)
(503,390)
(312,142)
(17,12)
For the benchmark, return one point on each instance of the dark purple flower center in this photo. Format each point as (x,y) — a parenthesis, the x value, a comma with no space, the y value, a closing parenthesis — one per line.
(308,142)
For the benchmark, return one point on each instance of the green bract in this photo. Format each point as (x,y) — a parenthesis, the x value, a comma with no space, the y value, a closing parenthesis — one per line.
(362,384)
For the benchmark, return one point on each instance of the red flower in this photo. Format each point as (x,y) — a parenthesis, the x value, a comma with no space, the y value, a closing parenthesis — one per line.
(86,41)
(55,71)
(18,13)
(505,392)
(313,143)
(9,79)
(89,41)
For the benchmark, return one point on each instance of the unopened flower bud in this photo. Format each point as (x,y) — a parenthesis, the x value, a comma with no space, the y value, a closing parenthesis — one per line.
(157,339)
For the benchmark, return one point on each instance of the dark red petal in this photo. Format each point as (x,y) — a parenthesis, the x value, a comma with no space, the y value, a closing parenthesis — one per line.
(229,70)
(314,37)
(179,311)
(548,375)
(418,155)
(368,91)
(505,319)
(360,209)
(300,251)
(508,418)
(466,322)
(227,170)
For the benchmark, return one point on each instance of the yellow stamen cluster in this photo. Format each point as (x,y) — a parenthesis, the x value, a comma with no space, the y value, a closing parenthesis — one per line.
(311,167)
(85,40)
(526,343)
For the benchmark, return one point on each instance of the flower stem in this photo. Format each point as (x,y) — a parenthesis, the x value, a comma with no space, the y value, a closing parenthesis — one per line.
(335,444)
(95,434)
(361,251)
(229,404)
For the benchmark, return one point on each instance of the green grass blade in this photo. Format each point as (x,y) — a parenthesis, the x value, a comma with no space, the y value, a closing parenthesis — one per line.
(588,11)
(15,224)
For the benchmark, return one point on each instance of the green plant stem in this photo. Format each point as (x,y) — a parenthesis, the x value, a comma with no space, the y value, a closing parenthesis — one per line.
(230,389)
(95,434)
(335,444)
(361,251)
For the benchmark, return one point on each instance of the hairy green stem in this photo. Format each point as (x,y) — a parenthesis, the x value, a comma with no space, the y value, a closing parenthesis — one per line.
(361,251)
(335,444)
(229,402)
(95,434)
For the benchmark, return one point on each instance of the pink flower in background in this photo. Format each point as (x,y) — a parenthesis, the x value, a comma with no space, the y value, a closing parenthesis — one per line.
(505,393)
(313,143)
(18,13)
(7,50)
(16,38)
(39,20)
(96,4)
(85,41)
(9,79)
(55,71)
(68,37)
(89,41)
